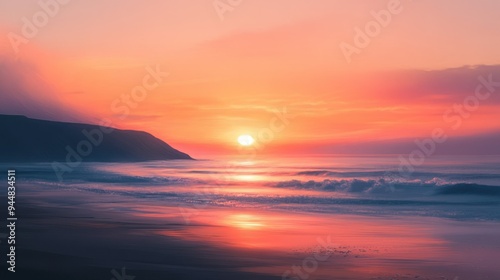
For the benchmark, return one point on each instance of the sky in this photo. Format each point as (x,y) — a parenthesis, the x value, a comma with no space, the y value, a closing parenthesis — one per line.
(325,76)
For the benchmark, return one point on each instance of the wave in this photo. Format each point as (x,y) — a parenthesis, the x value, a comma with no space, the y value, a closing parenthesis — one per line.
(434,186)
(90,175)
(469,189)
(395,174)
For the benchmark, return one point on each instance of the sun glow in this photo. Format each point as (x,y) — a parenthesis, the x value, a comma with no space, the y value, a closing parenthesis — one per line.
(245,140)
(245,221)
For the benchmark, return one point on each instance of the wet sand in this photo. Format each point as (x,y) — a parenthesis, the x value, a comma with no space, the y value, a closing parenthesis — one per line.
(68,234)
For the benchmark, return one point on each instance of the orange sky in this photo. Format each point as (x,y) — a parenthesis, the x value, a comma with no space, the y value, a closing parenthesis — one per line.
(229,74)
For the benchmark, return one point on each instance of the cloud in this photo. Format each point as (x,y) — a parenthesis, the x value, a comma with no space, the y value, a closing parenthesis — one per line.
(290,39)
(477,144)
(442,86)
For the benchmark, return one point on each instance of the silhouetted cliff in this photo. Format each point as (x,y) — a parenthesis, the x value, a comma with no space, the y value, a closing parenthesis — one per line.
(25,139)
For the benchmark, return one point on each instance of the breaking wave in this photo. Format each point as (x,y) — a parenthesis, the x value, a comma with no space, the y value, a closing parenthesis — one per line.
(433,186)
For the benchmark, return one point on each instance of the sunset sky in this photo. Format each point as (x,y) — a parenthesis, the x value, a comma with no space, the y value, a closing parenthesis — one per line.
(235,72)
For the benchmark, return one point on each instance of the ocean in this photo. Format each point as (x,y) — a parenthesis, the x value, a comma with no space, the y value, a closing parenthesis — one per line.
(368,219)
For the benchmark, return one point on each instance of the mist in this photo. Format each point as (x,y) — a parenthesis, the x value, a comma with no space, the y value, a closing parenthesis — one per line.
(24,91)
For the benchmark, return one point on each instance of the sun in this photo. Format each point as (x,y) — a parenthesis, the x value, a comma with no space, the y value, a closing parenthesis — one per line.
(245,140)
